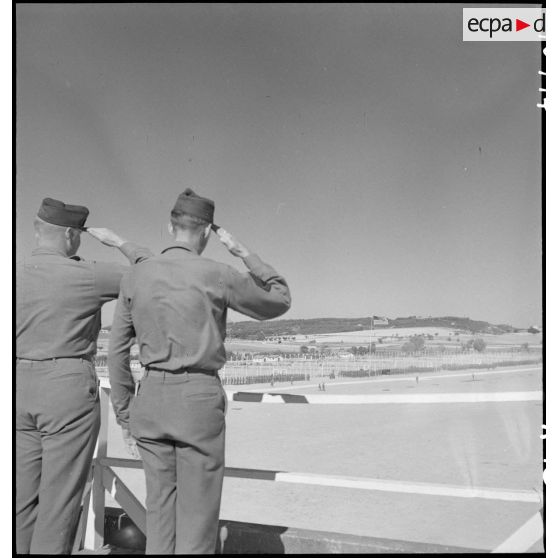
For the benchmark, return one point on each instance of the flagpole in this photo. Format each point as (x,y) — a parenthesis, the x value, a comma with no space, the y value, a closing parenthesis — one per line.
(370,347)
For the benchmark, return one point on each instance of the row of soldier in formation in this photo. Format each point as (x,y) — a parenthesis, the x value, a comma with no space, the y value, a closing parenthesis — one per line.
(175,304)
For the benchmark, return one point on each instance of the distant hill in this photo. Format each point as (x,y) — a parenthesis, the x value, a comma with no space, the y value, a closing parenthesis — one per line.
(313,326)
(253,330)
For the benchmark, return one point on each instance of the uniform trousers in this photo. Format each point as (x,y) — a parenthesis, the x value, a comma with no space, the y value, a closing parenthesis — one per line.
(178,421)
(57,423)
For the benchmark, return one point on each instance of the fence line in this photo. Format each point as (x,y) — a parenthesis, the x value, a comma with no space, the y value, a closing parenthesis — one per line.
(297,369)
(300,368)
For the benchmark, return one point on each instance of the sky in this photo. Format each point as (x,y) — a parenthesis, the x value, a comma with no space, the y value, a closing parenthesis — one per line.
(377,161)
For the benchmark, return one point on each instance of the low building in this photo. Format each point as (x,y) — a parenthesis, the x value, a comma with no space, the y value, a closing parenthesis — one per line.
(346,356)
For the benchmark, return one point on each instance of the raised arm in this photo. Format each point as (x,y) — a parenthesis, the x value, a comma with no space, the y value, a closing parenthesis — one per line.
(262,293)
(134,252)
(109,275)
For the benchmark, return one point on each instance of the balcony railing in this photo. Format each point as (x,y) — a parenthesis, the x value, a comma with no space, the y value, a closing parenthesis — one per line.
(91,527)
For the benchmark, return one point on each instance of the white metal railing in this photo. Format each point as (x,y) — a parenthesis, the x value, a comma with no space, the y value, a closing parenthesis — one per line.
(90,533)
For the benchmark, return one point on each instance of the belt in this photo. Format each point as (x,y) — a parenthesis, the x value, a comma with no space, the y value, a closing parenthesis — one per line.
(30,360)
(188,370)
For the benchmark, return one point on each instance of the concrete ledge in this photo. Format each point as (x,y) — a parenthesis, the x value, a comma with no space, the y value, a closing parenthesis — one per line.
(250,538)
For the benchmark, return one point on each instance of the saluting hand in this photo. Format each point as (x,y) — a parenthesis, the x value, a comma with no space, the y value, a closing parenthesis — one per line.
(234,247)
(130,443)
(106,236)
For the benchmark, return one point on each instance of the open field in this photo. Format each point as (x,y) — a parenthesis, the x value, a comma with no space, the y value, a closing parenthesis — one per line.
(246,345)
(524,378)
(439,333)
(392,338)
(406,451)
(363,336)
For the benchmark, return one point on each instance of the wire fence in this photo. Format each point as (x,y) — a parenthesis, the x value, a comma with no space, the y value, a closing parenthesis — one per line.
(307,369)
(271,370)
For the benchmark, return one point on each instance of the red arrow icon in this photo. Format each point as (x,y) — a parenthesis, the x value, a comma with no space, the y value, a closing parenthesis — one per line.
(519,25)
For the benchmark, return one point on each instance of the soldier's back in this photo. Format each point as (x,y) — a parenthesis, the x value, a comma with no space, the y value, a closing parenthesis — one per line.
(57,307)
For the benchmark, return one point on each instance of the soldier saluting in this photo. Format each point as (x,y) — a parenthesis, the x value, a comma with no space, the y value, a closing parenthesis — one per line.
(58,302)
(176,305)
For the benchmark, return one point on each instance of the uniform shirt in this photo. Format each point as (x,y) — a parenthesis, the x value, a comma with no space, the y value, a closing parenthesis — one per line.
(176,304)
(59,299)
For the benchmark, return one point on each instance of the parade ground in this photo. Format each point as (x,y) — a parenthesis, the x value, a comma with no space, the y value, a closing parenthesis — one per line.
(451,458)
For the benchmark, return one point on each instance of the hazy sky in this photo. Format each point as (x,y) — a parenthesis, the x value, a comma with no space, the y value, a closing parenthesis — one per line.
(375,159)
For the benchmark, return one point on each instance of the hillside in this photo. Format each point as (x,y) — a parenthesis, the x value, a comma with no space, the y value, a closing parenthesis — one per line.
(255,330)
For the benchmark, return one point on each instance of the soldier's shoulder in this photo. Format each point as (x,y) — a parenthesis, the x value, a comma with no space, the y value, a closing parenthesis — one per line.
(82,263)
(147,262)
(100,268)
(214,264)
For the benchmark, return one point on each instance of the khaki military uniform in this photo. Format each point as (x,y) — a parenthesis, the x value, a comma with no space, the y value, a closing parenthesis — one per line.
(58,303)
(176,305)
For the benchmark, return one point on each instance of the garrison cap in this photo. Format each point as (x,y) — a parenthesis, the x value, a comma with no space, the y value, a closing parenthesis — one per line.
(59,213)
(192,204)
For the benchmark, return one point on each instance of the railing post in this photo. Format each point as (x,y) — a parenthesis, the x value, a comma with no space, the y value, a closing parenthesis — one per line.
(94,534)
